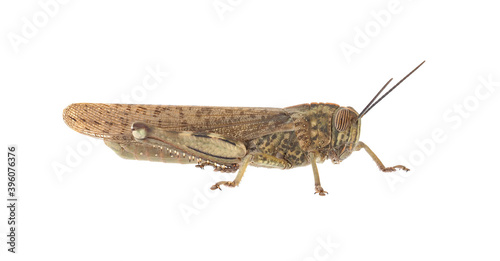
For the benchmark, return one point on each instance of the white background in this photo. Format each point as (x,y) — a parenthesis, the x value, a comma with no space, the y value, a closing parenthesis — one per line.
(256,53)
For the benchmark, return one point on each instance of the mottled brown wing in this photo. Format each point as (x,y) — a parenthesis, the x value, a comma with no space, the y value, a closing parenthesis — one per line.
(113,121)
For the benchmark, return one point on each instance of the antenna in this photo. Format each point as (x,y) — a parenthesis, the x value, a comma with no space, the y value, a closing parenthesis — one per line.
(370,106)
(367,106)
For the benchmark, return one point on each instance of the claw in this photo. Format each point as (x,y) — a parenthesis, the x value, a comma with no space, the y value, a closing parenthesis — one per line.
(320,190)
(391,169)
(225,183)
(214,187)
(322,193)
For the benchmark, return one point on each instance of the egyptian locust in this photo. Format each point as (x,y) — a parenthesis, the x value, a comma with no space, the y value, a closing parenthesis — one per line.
(229,138)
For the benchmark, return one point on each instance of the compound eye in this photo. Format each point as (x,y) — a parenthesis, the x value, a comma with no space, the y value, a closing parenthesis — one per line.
(342,119)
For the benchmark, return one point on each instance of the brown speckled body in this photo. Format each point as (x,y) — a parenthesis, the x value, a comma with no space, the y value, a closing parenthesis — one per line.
(312,132)
(283,145)
(279,138)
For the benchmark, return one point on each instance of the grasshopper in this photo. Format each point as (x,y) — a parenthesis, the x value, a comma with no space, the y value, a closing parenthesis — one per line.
(229,138)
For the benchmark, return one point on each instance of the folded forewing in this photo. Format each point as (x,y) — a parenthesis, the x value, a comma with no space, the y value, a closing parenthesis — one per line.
(113,121)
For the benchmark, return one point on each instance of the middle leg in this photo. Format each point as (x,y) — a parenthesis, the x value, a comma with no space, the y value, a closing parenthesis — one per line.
(256,159)
(317,183)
